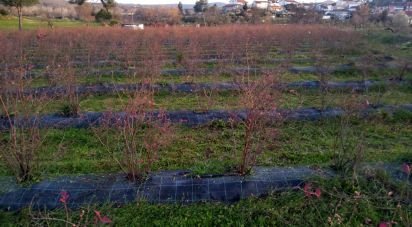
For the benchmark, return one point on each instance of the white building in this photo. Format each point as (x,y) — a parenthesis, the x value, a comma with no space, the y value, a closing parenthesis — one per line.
(237,2)
(260,4)
(346,5)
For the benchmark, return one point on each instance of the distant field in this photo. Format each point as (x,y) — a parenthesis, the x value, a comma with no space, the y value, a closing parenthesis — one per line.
(188,74)
(11,23)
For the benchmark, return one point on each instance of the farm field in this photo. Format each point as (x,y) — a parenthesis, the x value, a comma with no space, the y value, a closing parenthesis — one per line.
(329,105)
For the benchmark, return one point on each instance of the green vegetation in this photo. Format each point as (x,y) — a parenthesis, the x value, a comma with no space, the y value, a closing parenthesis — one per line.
(9,23)
(203,101)
(19,5)
(210,149)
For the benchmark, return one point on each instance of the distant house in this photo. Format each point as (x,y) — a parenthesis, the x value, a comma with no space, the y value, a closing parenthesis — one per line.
(325,6)
(354,5)
(240,2)
(409,14)
(408,11)
(348,5)
(288,2)
(133,26)
(339,14)
(276,8)
(408,7)
(395,8)
(260,4)
(235,8)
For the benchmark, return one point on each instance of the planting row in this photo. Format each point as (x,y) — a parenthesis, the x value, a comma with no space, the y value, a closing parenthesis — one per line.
(101,89)
(70,103)
(162,187)
(191,58)
(155,71)
(58,46)
(191,118)
(83,62)
(72,76)
(169,187)
(214,148)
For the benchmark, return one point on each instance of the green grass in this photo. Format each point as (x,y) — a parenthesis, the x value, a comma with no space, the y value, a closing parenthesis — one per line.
(395,44)
(215,148)
(10,23)
(287,77)
(231,100)
(129,79)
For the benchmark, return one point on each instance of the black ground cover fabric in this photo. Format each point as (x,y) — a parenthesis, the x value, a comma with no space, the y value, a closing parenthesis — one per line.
(160,187)
(100,89)
(177,186)
(194,118)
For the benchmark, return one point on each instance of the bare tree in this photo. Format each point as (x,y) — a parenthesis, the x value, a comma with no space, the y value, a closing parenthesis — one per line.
(84,12)
(360,17)
(108,4)
(19,4)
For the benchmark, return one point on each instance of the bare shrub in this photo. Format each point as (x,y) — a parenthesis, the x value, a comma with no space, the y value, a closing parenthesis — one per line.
(65,76)
(400,21)
(349,141)
(323,74)
(84,12)
(135,138)
(105,49)
(157,16)
(190,56)
(206,99)
(86,216)
(259,123)
(72,106)
(403,68)
(153,60)
(360,17)
(322,44)
(23,139)
(366,65)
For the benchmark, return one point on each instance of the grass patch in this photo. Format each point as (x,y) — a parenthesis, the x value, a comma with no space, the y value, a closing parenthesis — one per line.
(230,100)
(10,23)
(213,149)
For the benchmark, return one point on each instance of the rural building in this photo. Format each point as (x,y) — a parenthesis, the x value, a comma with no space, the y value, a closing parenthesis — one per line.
(287,2)
(396,8)
(408,11)
(240,2)
(339,14)
(236,8)
(260,4)
(276,8)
